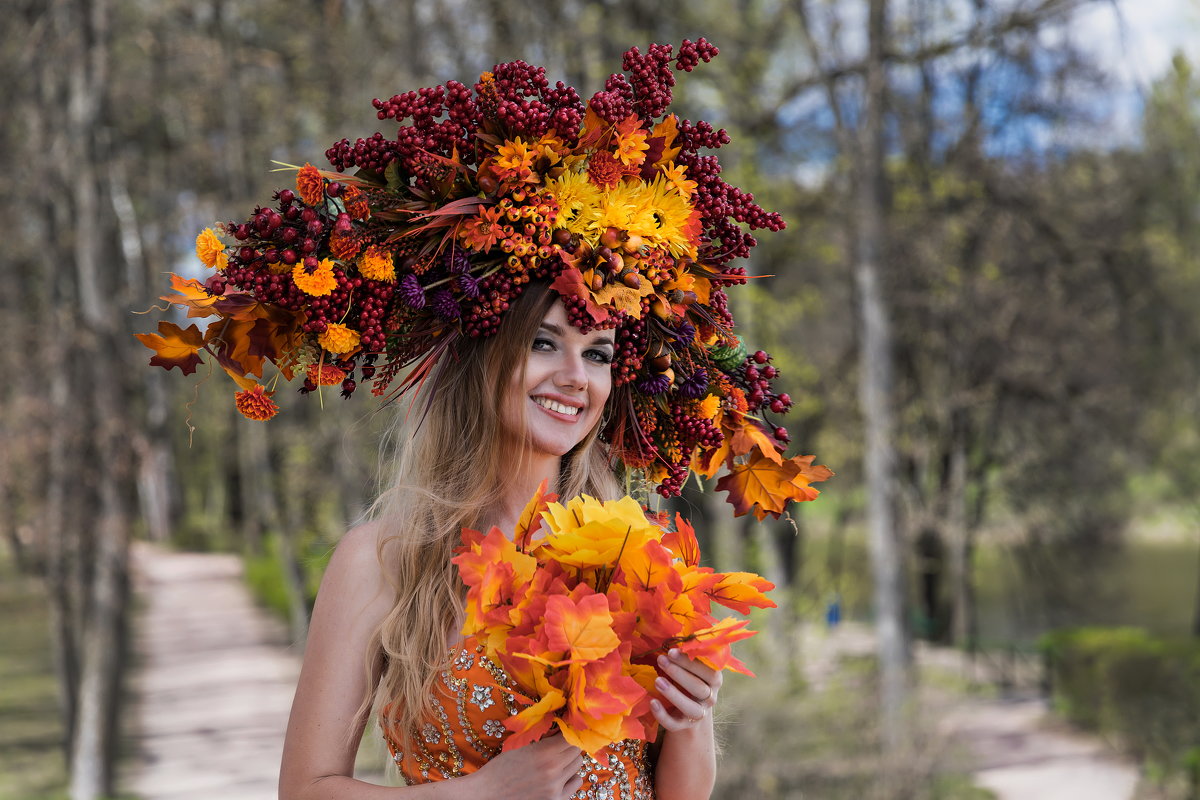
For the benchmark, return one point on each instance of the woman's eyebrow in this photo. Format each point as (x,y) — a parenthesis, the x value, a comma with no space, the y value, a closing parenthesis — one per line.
(551,327)
(608,340)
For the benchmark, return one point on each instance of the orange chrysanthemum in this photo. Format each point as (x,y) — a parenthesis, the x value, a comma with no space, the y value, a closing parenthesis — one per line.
(325,374)
(319,282)
(605,170)
(211,250)
(310,185)
(356,202)
(255,404)
(481,232)
(376,264)
(338,339)
(344,247)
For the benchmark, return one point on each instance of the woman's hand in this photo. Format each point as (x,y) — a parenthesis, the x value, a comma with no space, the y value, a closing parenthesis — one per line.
(689,686)
(547,769)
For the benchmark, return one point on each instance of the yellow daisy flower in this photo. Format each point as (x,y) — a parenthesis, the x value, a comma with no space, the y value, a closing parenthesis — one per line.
(577,199)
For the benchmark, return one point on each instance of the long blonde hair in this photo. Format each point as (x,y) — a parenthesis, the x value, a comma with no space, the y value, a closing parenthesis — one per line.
(448,469)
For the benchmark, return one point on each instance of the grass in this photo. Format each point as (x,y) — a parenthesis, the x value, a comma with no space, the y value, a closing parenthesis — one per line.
(31,758)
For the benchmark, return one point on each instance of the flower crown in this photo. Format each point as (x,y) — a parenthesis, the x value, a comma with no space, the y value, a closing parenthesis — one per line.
(361,276)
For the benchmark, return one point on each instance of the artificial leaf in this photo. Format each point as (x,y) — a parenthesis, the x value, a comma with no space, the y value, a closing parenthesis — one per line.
(623,298)
(711,646)
(740,591)
(531,517)
(174,346)
(764,487)
(529,725)
(745,434)
(583,628)
(569,283)
(682,541)
(192,295)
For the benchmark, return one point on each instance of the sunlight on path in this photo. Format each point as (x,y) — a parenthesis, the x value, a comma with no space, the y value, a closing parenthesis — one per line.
(213,682)
(1012,747)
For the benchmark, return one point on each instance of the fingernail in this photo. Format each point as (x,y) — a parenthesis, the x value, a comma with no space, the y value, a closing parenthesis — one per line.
(674,652)
(663,661)
(661,682)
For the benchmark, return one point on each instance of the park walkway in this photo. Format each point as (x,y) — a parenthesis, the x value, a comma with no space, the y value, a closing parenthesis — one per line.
(215,676)
(213,682)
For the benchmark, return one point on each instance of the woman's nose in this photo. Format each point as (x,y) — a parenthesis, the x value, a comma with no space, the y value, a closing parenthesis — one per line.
(572,371)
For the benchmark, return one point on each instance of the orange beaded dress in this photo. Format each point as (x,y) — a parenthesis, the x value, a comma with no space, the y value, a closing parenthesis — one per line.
(467,730)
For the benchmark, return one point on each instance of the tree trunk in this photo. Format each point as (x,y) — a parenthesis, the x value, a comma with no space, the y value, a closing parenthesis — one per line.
(875,395)
(961,549)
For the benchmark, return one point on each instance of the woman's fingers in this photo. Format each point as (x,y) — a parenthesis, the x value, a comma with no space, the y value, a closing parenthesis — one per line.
(694,678)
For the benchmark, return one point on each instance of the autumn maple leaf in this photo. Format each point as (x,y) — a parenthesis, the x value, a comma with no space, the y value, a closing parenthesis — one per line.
(764,487)
(174,346)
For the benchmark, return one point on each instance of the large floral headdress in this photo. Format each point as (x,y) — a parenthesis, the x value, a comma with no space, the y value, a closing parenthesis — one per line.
(371,272)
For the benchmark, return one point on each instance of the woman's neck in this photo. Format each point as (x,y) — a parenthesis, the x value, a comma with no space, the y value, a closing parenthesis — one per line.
(538,469)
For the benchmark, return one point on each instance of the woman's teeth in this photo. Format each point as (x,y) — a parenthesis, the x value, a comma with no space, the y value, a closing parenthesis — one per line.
(546,402)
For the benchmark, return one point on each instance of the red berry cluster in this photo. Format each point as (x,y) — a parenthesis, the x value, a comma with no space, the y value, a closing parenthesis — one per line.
(755,376)
(632,342)
(520,98)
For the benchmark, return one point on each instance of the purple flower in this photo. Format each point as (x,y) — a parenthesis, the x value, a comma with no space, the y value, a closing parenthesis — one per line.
(410,291)
(685,333)
(445,306)
(694,386)
(468,285)
(654,384)
(455,260)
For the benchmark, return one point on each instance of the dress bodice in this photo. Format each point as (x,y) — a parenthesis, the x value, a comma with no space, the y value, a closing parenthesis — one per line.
(473,698)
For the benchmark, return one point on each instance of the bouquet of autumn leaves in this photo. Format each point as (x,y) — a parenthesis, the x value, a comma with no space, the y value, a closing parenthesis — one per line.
(578,615)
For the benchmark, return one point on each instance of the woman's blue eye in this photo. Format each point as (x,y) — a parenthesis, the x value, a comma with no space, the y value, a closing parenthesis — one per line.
(600,356)
(542,344)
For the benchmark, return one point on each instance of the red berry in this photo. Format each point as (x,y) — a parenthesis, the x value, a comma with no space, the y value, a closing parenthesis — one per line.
(751,373)
(769,372)
(783,398)
(289,257)
(781,433)
(761,357)
(777,406)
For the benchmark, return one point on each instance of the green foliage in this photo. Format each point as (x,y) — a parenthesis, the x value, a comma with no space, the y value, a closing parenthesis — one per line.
(1139,689)
(264,573)
(31,755)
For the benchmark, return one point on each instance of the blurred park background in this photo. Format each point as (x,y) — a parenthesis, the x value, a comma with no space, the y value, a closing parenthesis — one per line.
(985,306)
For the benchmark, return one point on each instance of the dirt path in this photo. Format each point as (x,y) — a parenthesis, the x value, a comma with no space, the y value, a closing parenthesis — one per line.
(216,674)
(1012,746)
(213,683)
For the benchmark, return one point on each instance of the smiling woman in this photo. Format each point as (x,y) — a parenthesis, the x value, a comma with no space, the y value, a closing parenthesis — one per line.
(546,282)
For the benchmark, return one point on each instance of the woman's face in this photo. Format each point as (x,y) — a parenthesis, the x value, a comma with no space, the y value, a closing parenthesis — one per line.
(567,381)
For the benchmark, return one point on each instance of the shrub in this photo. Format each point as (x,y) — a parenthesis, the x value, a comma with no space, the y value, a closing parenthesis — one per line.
(1141,690)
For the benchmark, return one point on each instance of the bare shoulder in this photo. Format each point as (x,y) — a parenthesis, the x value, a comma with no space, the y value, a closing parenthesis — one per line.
(353,581)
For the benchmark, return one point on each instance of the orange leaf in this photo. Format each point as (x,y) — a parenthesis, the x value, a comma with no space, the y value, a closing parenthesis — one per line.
(747,434)
(740,590)
(529,725)
(764,487)
(531,518)
(174,346)
(583,629)
(711,646)
(682,541)
(193,296)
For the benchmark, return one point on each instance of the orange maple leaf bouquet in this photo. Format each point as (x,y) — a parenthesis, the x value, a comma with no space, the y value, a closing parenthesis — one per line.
(578,616)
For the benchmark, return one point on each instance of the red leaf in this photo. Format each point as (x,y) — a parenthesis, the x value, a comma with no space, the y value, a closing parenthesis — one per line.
(174,346)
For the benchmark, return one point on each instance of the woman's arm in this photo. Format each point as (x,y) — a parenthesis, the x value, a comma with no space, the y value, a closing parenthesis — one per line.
(323,734)
(687,762)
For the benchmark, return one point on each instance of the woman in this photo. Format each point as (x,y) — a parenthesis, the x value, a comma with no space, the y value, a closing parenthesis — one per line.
(547,279)
(494,426)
